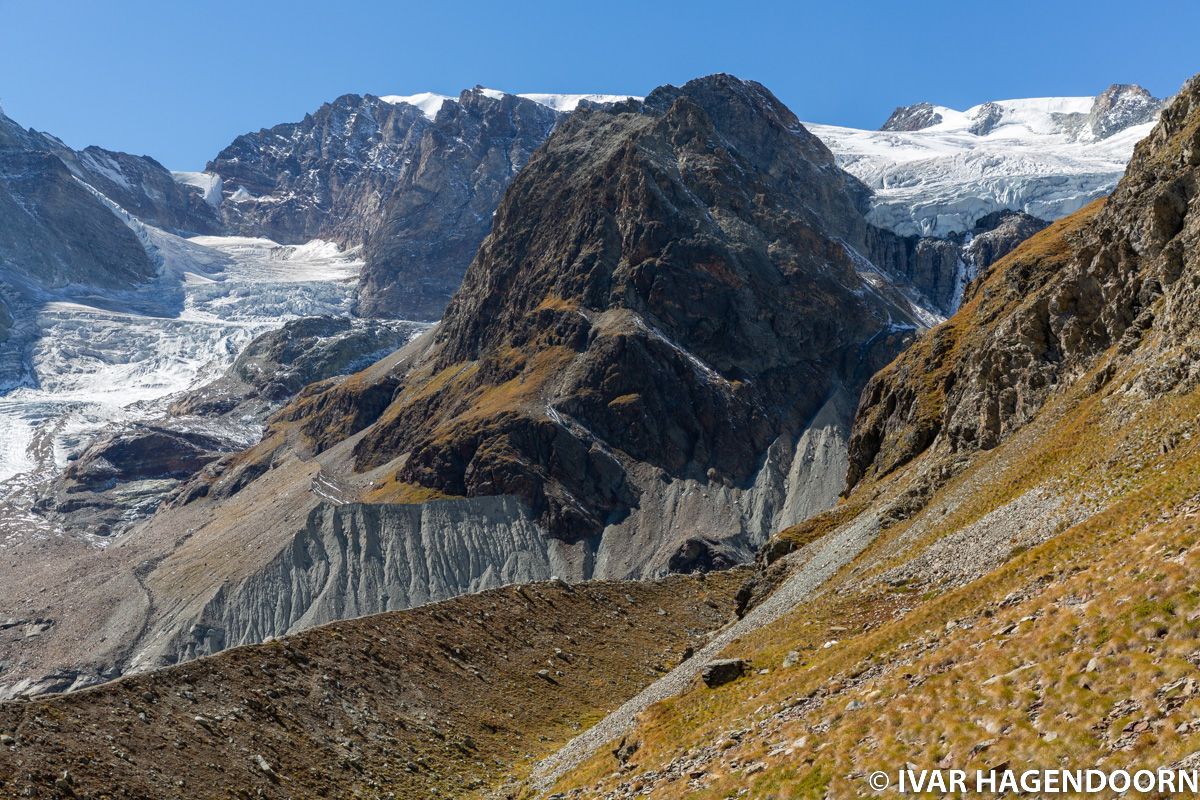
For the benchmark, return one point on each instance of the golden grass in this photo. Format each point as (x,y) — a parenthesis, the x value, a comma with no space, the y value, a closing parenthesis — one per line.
(397,492)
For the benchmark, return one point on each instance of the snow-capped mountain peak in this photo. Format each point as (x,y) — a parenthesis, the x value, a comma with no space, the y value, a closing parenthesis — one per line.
(936,170)
(429,102)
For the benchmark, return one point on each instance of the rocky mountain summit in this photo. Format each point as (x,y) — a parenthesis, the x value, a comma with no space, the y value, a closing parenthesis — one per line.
(413,180)
(912,118)
(1122,106)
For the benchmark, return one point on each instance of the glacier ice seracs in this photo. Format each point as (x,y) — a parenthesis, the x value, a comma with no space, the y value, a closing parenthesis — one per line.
(1045,156)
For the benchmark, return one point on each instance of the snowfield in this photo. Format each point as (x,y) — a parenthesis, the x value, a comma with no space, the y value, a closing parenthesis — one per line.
(115,359)
(1027,155)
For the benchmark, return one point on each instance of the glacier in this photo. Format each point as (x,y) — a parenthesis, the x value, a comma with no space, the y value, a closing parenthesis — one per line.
(100,360)
(1033,155)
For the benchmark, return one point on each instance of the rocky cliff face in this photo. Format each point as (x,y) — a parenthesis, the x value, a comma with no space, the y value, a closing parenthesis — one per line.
(53,230)
(1115,279)
(941,268)
(416,186)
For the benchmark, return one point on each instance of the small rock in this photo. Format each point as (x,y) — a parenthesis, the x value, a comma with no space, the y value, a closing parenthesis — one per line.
(1093,664)
(791,659)
(854,705)
(982,746)
(266,767)
(722,671)
(65,784)
(7,741)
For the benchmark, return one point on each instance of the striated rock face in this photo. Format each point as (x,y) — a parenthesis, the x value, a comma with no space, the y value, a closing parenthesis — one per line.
(415,187)
(348,561)
(912,118)
(1114,283)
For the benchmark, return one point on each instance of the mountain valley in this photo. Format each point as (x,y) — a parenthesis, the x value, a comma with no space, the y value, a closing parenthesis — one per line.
(529,445)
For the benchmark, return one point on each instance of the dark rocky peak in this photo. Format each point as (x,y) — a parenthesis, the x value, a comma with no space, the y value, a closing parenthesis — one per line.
(670,284)
(912,118)
(986,119)
(1121,106)
(715,143)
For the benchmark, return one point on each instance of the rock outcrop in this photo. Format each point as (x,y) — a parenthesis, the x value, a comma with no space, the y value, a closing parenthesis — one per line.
(1121,106)
(912,118)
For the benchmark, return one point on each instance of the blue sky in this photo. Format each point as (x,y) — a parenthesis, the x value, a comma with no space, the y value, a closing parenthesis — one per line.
(178,79)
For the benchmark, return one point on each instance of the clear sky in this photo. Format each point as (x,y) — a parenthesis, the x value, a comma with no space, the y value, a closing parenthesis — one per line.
(178,79)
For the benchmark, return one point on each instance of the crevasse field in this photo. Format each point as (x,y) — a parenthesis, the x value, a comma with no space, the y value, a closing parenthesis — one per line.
(118,358)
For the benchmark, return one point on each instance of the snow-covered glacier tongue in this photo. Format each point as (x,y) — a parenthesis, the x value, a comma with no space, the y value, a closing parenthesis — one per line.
(936,171)
(102,361)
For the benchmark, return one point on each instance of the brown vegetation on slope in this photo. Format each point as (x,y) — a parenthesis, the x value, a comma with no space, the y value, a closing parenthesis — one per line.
(434,702)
